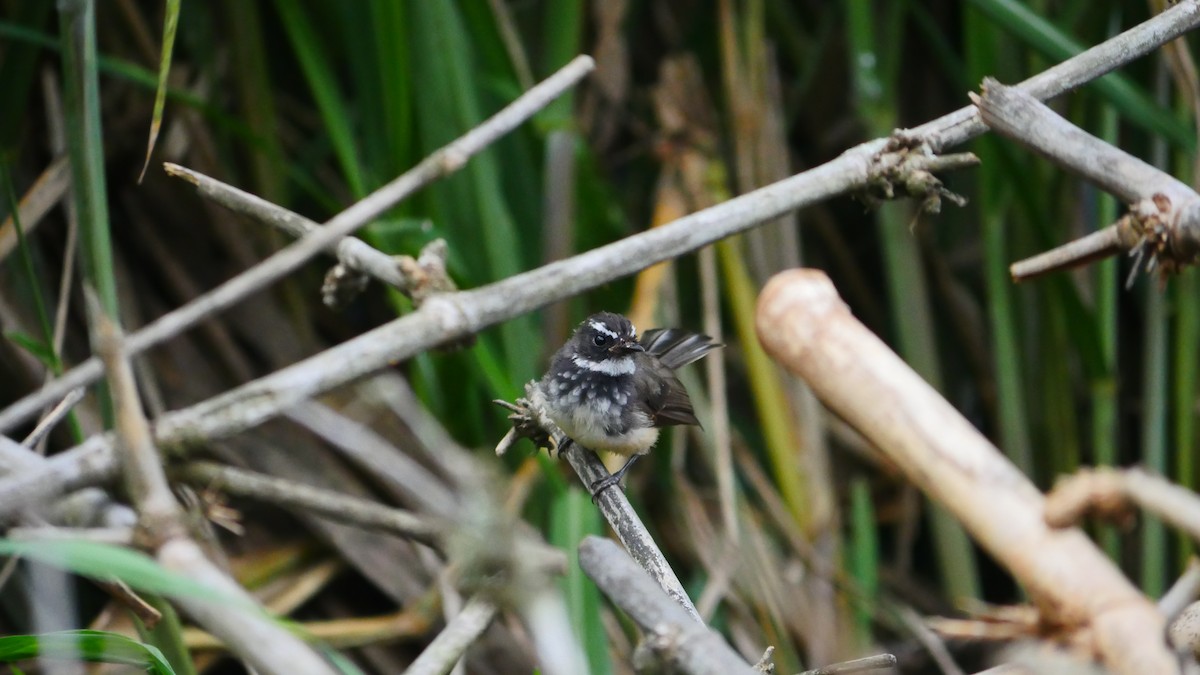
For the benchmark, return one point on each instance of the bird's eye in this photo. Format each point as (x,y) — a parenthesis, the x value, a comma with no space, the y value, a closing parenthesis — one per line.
(599,340)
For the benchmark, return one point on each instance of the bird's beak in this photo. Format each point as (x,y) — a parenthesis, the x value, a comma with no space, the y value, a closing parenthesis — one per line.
(628,347)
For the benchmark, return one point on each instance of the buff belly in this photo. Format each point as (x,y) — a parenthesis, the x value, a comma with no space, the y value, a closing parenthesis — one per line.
(599,427)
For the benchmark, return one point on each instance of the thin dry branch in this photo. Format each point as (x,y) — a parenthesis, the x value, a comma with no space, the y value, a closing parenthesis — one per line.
(1113,493)
(450,644)
(672,636)
(1164,218)
(856,666)
(53,417)
(342,508)
(805,326)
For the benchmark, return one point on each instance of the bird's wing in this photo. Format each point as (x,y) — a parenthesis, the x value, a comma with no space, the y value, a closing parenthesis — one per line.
(676,348)
(663,397)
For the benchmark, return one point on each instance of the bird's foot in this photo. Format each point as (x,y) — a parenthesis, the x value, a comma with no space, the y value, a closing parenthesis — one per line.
(597,487)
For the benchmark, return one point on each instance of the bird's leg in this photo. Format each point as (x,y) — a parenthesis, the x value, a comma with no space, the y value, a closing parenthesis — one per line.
(615,479)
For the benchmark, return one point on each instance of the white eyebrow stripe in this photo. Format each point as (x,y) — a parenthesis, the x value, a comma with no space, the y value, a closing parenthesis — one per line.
(603,329)
(621,366)
(632,329)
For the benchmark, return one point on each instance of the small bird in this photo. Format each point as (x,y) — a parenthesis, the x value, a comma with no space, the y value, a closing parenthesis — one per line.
(609,391)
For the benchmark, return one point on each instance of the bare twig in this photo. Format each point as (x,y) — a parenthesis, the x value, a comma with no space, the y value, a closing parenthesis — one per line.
(444,161)
(855,666)
(931,641)
(804,324)
(450,644)
(117,536)
(1093,246)
(673,636)
(342,508)
(52,418)
(1111,493)
(1015,114)
(1182,592)
(416,278)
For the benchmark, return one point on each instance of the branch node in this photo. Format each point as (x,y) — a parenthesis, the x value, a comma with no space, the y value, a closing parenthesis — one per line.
(529,420)
(905,168)
(342,284)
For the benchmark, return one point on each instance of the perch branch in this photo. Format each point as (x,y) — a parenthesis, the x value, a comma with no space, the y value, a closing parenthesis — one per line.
(804,325)
(672,635)
(530,421)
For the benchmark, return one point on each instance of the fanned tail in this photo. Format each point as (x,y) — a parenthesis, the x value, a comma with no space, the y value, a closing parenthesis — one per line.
(676,348)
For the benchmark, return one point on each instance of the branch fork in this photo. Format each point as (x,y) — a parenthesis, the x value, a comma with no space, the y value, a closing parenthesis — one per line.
(1162,228)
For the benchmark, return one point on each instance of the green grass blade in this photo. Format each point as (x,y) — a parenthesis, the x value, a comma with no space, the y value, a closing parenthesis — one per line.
(85,645)
(1104,386)
(43,348)
(863,556)
(89,186)
(167,635)
(16,72)
(993,194)
(906,284)
(170,24)
(105,562)
(316,66)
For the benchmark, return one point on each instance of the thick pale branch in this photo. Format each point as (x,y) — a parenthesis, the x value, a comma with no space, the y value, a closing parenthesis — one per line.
(804,325)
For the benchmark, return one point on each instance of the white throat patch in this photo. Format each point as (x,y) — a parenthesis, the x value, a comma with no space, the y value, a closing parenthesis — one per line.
(621,366)
(600,327)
